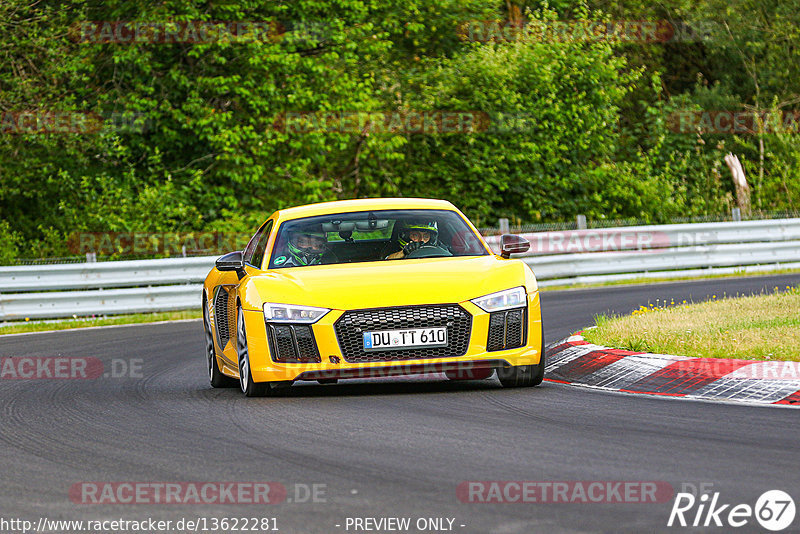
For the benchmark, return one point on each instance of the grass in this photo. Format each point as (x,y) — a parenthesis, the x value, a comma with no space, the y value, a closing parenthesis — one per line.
(636,281)
(758,327)
(137,318)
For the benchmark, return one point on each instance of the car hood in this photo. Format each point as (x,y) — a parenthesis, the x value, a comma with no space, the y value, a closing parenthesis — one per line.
(387,283)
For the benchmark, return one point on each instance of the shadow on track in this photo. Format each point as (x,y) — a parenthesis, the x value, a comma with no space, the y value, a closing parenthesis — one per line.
(378,387)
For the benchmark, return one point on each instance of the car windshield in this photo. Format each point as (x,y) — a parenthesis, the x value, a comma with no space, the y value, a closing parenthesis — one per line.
(381,235)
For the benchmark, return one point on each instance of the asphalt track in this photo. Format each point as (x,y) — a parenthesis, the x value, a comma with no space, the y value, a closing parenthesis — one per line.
(388,448)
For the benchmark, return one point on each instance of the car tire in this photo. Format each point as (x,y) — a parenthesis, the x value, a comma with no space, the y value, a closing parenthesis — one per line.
(248,387)
(522,376)
(538,375)
(215,376)
(516,376)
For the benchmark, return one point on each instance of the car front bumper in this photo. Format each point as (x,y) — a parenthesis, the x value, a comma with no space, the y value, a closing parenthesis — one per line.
(334,363)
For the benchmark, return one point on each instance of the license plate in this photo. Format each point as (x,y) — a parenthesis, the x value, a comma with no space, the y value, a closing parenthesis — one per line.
(404,339)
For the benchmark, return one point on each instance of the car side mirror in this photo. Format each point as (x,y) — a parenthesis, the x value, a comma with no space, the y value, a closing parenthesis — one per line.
(231,261)
(514,244)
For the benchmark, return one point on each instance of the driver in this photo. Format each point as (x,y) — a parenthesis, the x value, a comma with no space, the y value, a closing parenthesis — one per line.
(306,246)
(414,235)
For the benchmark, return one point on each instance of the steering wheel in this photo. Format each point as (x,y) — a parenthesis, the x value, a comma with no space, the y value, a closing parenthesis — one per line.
(428,251)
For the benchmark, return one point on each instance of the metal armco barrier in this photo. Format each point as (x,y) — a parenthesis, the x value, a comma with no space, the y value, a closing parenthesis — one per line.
(105,274)
(704,259)
(563,258)
(98,302)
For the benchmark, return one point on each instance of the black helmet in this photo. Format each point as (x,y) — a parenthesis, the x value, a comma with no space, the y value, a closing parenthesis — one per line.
(302,248)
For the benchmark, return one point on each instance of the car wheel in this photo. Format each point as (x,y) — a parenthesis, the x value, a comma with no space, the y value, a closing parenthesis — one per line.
(249,388)
(538,375)
(215,376)
(522,376)
(516,376)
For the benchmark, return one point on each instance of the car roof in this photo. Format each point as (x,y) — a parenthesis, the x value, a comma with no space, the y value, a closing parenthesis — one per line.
(364,204)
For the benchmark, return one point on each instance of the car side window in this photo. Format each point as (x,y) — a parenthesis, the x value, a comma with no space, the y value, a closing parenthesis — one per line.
(261,246)
(251,245)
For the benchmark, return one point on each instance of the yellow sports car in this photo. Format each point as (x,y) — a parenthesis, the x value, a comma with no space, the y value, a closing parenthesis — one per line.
(371,288)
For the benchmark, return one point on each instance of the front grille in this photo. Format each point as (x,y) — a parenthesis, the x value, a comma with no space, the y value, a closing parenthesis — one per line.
(292,343)
(497,331)
(352,324)
(506,329)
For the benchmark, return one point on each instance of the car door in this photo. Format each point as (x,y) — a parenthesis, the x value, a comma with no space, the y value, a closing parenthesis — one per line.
(224,297)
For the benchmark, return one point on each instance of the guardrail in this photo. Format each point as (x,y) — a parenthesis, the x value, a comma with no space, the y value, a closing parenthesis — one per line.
(661,251)
(86,303)
(570,269)
(100,275)
(557,258)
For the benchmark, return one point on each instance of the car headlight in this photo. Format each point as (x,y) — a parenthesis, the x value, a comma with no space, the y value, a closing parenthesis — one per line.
(502,300)
(288,313)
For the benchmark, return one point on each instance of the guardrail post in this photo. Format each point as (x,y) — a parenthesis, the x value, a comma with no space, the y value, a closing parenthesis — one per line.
(736,213)
(503,224)
(91,257)
(581,221)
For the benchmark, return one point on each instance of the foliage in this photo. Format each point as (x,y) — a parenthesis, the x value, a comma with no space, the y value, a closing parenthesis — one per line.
(195,135)
(8,244)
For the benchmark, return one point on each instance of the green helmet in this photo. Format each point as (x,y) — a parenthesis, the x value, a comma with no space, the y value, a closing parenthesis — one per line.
(404,237)
(306,246)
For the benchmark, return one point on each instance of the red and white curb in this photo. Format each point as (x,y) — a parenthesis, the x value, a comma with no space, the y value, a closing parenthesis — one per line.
(576,361)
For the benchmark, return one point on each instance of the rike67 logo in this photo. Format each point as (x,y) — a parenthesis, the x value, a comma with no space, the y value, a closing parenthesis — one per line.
(774,510)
